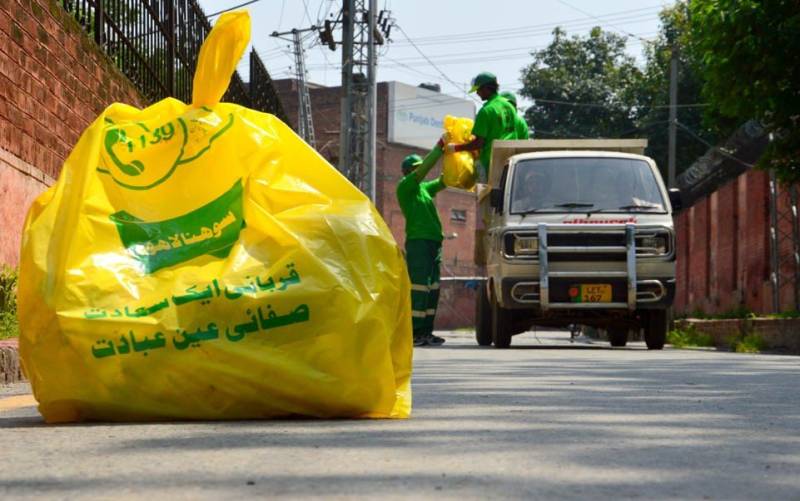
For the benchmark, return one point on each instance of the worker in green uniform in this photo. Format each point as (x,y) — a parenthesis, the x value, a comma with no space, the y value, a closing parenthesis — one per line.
(520,125)
(495,120)
(423,241)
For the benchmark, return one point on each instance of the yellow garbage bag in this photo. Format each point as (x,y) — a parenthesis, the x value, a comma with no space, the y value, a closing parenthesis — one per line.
(458,169)
(202,262)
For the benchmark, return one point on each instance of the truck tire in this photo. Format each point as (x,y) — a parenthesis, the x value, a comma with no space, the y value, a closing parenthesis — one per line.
(655,333)
(483,317)
(617,337)
(501,326)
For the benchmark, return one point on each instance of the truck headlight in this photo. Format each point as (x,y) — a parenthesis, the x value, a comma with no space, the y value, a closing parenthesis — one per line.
(654,244)
(526,245)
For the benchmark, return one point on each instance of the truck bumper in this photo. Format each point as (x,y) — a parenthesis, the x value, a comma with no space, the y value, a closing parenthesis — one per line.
(651,293)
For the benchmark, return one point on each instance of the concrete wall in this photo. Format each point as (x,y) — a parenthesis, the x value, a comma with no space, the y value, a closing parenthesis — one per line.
(54,80)
(724,250)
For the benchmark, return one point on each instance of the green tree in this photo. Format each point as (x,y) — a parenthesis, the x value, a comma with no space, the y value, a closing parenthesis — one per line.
(653,94)
(750,52)
(582,86)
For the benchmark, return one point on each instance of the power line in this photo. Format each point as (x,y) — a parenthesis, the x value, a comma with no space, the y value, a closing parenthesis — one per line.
(428,59)
(280,17)
(232,8)
(714,147)
(427,75)
(564,2)
(500,36)
(503,35)
(321,48)
(508,55)
(623,16)
(305,8)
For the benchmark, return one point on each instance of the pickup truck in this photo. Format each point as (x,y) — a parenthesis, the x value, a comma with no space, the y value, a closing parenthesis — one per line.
(578,232)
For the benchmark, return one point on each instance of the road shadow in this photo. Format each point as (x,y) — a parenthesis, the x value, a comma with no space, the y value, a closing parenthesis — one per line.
(635,423)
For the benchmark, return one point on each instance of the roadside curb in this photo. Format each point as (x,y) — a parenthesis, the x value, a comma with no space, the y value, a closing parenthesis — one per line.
(10,368)
(781,335)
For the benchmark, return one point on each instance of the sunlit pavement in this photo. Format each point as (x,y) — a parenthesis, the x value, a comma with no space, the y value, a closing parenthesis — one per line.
(545,418)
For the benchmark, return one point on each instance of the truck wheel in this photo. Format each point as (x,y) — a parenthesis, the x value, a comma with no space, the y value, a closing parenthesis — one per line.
(483,320)
(501,326)
(617,337)
(656,331)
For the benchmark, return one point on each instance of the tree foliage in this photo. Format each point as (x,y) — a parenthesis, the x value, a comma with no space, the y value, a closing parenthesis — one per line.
(653,97)
(750,54)
(593,70)
(626,100)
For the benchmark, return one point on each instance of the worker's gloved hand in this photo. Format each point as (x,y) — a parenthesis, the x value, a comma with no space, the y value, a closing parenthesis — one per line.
(443,140)
(450,148)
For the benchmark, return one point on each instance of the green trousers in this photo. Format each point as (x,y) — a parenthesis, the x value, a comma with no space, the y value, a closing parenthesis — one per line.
(424,258)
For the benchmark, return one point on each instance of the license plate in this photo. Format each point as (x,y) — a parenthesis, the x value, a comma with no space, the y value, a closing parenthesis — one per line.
(590,293)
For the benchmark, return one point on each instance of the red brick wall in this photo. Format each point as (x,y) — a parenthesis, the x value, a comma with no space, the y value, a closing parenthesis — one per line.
(457,304)
(54,80)
(723,250)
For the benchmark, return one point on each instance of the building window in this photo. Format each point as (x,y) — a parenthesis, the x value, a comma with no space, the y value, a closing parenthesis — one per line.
(458,215)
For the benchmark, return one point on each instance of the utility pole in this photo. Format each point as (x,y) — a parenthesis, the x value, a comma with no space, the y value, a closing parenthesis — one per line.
(361,32)
(345,135)
(363,29)
(305,123)
(673,114)
(372,101)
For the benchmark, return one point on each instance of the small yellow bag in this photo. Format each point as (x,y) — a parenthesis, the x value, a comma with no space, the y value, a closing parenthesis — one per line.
(459,168)
(202,262)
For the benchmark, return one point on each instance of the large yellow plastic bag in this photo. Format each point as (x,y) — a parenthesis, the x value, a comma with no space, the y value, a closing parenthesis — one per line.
(458,168)
(202,262)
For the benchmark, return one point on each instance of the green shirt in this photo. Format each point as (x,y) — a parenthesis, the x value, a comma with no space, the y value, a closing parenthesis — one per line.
(495,120)
(521,127)
(416,202)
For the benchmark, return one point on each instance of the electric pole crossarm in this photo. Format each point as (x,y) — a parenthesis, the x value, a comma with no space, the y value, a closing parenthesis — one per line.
(305,123)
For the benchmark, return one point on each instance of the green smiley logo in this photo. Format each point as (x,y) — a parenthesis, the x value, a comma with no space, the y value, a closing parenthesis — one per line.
(141,156)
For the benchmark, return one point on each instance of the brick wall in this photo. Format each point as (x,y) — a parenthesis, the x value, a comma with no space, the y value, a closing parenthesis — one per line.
(723,250)
(54,80)
(457,300)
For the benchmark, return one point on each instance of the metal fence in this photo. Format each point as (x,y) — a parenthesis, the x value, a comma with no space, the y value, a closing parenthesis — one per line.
(156,42)
(262,92)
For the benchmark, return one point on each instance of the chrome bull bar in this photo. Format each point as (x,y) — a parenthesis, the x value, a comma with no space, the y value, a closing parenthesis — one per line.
(545,274)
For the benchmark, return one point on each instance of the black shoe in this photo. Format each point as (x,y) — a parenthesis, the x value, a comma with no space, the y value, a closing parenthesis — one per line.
(420,340)
(435,340)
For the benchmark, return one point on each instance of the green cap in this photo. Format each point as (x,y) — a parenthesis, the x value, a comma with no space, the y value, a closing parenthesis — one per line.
(510,97)
(483,79)
(411,161)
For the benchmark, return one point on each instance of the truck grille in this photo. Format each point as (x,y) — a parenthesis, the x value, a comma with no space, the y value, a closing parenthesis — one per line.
(604,246)
(586,239)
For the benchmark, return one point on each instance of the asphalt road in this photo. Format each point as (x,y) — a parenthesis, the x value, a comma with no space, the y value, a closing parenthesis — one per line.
(540,420)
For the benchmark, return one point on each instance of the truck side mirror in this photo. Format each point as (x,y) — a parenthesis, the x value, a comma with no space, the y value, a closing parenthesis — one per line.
(675,199)
(496,199)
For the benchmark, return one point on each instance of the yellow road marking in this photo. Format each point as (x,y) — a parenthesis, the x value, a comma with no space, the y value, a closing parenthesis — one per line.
(16,402)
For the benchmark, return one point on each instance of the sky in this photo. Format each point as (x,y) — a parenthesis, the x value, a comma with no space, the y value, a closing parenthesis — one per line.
(444,41)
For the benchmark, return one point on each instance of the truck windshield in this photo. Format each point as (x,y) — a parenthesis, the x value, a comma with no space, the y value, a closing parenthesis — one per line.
(584,185)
